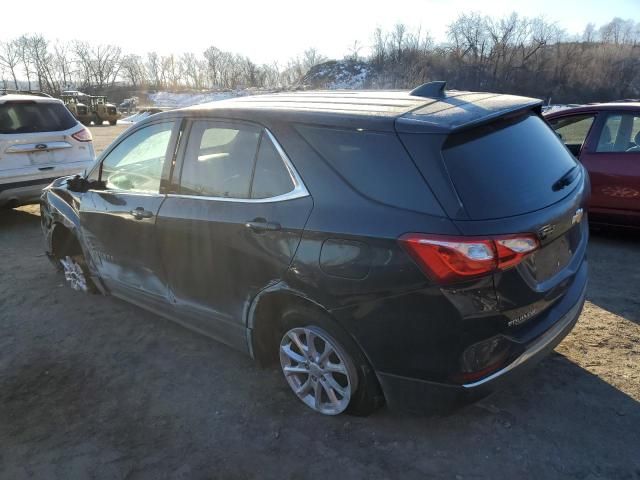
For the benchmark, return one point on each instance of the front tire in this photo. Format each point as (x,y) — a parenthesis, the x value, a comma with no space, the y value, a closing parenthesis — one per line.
(325,368)
(76,273)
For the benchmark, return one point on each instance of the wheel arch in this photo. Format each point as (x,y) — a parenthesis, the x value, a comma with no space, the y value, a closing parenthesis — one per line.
(64,241)
(264,317)
(264,327)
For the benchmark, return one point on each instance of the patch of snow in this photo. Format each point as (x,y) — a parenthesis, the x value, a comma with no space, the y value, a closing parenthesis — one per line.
(180,100)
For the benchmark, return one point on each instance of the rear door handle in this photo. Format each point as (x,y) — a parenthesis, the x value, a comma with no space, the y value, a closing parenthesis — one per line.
(139,213)
(261,225)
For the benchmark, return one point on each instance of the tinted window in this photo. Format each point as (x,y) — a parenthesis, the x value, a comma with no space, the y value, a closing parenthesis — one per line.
(32,117)
(135,164)
(375,164)
(620,133)
(271,178)
(507,168)
(219,160)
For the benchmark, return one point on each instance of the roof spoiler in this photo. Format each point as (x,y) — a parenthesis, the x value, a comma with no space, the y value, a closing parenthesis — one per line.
(430,90)
(455,114)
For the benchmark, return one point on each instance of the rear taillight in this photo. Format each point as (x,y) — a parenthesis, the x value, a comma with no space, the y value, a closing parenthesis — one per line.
(450,259)
(83,135)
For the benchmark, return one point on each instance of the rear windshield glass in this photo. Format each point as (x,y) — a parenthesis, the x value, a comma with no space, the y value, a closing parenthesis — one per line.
(508,168)
(32,117)
(375,164)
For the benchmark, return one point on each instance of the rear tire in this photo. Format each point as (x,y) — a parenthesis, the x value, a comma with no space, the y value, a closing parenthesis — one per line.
(344,379)
(113,122)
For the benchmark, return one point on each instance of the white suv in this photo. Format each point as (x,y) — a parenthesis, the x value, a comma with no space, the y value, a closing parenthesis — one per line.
(39,141)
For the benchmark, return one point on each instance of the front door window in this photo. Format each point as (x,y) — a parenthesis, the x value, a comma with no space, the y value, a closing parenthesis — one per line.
(135,165)
(573,130)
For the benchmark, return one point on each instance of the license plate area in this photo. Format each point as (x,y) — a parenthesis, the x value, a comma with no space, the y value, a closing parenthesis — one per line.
(554,256)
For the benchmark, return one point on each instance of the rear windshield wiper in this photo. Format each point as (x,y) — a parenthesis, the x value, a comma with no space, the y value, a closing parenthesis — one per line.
(566,180)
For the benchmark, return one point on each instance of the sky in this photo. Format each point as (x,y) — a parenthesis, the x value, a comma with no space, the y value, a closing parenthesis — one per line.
(268,31)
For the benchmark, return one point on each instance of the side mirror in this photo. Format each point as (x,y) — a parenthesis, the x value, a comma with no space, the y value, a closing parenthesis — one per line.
(80,184)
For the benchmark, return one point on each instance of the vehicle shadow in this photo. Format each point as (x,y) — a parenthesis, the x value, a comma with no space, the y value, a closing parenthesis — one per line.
(576,423)
(16,217)
(614,257)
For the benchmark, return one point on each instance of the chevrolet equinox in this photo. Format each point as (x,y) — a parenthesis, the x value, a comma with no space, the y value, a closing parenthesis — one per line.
(417,248)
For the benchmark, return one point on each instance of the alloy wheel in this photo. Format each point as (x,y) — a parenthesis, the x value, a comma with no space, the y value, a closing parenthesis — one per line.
(318,371)
(74,274)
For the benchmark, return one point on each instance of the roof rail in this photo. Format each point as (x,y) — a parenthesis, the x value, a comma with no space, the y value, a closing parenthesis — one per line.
(7,91)
(430,90)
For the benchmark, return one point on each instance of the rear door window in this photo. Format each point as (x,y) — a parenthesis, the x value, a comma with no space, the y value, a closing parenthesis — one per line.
(507,168)
(219,159)
(25,116)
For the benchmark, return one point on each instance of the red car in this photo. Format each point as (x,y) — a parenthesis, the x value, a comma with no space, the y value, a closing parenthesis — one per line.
(606,139)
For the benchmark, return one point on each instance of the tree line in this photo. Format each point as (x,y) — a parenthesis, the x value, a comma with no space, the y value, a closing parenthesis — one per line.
(33,62)
(515,54)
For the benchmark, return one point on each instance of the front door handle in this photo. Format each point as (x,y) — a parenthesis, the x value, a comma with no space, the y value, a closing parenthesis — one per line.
(261,225)
(139,213)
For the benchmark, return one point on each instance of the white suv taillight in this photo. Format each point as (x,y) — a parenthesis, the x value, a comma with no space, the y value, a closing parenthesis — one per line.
(83,135)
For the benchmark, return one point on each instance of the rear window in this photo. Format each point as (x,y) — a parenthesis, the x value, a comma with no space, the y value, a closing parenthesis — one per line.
(33,117)
(507,168)
(375,164)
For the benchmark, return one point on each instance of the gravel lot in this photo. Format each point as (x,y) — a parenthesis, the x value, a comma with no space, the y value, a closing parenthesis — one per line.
(91,387)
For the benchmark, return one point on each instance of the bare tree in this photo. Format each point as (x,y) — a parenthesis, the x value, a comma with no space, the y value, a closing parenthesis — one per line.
(153,69)
(10,59)
(354,51)
(25,59)
(133,70)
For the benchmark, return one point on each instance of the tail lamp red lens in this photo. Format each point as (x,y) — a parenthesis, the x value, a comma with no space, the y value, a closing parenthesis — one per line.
(83,135)
(449,259)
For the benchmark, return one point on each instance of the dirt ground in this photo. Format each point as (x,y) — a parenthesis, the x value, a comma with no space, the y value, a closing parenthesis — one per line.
(91,387)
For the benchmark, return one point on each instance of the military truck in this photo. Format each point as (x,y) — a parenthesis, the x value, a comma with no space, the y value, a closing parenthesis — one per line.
(102,110)
(76,103)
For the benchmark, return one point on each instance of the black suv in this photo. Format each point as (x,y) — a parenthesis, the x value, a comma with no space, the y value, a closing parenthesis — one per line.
(416,247)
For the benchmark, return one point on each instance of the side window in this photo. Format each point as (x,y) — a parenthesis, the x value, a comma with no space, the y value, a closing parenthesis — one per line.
(620,133)
(374,164)
(219,160)
(573,130)
(135,164)
(271,177)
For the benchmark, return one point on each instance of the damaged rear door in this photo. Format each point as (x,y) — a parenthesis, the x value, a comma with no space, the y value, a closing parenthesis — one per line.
(232,226)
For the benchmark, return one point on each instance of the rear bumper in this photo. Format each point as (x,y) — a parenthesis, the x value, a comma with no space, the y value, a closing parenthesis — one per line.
(23,192)
(420,396)
(26,186)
